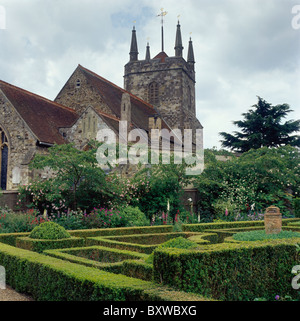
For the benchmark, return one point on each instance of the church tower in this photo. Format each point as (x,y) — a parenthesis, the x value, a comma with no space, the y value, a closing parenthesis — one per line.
(168,83)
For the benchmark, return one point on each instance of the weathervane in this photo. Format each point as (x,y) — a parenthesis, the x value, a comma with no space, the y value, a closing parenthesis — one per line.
(162,14)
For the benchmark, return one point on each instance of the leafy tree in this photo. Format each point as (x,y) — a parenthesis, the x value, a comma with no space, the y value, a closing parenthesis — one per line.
(153,187)
(263,127)
(78,181)
(264,177)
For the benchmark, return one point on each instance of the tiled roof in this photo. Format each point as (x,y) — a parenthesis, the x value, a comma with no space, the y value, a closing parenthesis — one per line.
(44,117)
(162,55)
(112,95)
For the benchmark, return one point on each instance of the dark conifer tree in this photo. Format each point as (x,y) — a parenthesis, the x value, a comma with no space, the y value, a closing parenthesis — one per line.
(262,126)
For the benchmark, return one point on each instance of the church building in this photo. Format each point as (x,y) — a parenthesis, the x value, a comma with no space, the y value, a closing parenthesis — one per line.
(159,93)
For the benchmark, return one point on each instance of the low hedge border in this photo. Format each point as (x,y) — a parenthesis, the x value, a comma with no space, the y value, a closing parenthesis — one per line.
(10,238)
(204,238)
(230,239)
(120,255)
(102,241)
(201,227)
(136,268)
(224,233)
(294,225)
(231,271)
(50,279)
(122,231)
(114,241)
(150,239)
(38,245)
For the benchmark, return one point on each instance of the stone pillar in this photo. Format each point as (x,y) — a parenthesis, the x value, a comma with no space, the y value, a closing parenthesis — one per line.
(273,220)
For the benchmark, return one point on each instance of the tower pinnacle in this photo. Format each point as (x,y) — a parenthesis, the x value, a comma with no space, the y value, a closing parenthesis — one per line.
(148,57)
(191,58)
(133,48)
(178,42)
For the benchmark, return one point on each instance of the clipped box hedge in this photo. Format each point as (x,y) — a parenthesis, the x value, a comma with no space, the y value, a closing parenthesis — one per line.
(204,238)
(50,279)
(137,242)
(150,239)
(201,227)
(102,241)
(10,238)
(98,254)
(122,231)
(224,233)
(231,271)
(39,245)
(133,263)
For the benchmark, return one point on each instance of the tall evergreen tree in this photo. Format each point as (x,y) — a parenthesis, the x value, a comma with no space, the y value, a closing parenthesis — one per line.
(263,127)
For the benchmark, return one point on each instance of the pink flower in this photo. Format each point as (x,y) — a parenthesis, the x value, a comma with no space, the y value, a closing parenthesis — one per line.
(226,212)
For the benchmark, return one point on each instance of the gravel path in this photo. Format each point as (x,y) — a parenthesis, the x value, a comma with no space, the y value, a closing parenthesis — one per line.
(10,294)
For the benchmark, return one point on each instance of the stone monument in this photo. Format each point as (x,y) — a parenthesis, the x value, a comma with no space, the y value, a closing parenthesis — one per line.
(273,220)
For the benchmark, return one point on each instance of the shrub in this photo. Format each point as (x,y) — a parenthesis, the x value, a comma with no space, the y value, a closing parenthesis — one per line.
(178,243)
(296,206)
(49,231)
(133,216)
(72,220)
(103,218)
(11,222)
(225,210)
(257,179)
(261,235)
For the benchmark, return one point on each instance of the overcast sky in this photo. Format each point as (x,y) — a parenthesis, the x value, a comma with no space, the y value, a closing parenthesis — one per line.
(243,48)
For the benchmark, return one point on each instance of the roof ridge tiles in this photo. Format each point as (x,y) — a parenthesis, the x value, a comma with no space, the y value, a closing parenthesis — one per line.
(36,95)
(107,115)
(117,87)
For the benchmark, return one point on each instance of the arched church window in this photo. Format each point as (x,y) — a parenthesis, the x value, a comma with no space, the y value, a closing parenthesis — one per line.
(3,159)
(153,93)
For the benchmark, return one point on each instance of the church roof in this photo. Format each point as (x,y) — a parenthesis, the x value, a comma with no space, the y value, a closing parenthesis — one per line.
(162,55)
(112,95)
(44,117)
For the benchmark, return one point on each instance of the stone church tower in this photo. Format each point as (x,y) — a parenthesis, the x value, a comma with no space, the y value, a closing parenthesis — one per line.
(168,83)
